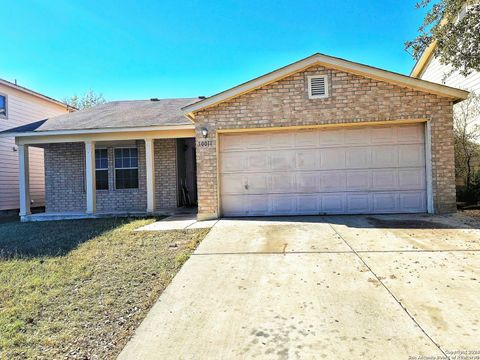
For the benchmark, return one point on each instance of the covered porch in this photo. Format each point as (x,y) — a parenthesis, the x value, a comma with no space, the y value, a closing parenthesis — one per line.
(113,174)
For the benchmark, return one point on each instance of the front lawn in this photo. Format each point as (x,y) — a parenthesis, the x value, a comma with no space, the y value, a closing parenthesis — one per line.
(78,289)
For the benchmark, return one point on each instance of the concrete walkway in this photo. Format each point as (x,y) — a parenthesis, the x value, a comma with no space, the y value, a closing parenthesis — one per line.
(354,287)
(178,222)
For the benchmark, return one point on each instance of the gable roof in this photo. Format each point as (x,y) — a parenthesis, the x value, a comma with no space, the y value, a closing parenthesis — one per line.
(36,94)
(111,116)
(422,62)
(330,62)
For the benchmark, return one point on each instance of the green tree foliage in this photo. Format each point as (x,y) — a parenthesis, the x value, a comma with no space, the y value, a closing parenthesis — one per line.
(85,101)
(455,26)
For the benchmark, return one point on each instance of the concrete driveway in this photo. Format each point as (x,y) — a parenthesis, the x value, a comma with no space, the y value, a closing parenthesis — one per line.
(352,287)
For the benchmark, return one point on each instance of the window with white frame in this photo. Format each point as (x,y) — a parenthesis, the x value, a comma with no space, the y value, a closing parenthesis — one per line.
(318,87)
(101,169)
(3,106)
(126,168)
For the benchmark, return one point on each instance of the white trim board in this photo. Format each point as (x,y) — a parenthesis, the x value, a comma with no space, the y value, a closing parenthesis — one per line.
(97,131)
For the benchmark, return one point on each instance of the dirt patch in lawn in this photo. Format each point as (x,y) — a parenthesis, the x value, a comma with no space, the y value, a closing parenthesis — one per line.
(79,289)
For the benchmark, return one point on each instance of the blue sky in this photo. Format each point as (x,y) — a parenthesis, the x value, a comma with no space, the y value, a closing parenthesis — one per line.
(142,49)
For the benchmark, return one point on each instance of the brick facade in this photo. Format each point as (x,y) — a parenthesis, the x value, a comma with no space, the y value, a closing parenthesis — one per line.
(166,173)
(124,200)
(65,179)
(352,99)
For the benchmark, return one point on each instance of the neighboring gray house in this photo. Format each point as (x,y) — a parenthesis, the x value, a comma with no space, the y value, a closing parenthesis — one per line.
(322,135)
(19,106)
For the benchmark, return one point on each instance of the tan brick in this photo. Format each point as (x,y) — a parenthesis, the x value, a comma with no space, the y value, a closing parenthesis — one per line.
(352,99)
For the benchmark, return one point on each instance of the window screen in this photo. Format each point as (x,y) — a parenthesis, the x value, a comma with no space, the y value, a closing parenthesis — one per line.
(101,169)
(126,168)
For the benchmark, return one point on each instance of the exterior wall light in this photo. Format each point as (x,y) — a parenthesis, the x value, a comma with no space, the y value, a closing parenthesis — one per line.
(204,132)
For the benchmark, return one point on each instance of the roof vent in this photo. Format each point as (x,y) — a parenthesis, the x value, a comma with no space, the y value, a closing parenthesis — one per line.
(154,99)
(317,87)
(202,97)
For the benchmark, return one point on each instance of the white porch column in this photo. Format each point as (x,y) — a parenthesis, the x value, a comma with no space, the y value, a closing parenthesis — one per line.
(150,174)
(24,180)
(90,176)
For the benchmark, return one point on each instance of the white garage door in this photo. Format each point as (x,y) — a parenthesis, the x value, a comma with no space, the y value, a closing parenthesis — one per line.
(362,170)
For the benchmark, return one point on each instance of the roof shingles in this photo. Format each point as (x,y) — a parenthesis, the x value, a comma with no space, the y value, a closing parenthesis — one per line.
(116,114)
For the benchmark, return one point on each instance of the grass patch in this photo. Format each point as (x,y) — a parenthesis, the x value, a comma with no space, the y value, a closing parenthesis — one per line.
(78,289)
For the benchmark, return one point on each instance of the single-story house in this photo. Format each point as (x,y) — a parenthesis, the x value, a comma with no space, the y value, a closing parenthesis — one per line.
(320,136)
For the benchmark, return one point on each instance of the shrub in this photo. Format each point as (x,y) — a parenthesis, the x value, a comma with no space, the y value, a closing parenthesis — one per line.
(470,195)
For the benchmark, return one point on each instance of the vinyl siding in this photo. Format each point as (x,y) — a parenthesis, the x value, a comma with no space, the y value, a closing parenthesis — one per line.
(22,109)
(435,72)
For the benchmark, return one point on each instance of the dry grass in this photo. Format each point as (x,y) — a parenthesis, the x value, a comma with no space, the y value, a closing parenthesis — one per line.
(78,289)
(471,217)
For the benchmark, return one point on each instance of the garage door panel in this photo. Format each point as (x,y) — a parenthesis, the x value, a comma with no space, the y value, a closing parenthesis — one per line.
(308,204)
(257,142)
(357,136)
(257,161)
(307,182)
(358,203)
(366,170)
(384,202)
(282,160)
(411,155)
(384,135)
(411,134)
(257,183)
(329,138)
(256,205)
(282,140)
(333,203)
(233,205)
(306,139)
(232,143)
(412,201)
(331,159)
(282,182)
(385,156)
(358,180)
(411,179)
(358,158)
(283,204)
(307,159)
(385,179)
(234,162)
(332,181)
(232,183)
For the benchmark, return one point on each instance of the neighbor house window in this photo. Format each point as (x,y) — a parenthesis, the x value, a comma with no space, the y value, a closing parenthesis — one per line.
(101,169)
(3,106)
(126,168)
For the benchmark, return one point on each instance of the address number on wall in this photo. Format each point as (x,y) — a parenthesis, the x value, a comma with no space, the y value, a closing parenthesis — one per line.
(205,143)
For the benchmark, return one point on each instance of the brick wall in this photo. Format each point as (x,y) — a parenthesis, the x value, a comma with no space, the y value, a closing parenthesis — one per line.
(64,177)
(352,99)
(166,173)
(124,200)
(65,173)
